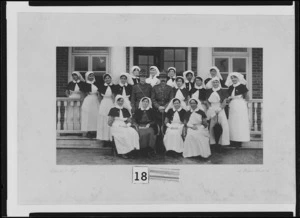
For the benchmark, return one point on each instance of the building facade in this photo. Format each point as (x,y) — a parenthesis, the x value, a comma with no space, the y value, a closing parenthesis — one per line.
(115,60)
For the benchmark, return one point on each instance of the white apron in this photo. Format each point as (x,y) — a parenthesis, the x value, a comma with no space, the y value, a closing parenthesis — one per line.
(239,120)
(172,139)
(89,111)
(103,130)
(197,141)
(180,96)
(126,138)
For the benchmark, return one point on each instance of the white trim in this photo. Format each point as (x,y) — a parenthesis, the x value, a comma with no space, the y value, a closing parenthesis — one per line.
(250,73)
(189,58)
(130,58)
(70,64)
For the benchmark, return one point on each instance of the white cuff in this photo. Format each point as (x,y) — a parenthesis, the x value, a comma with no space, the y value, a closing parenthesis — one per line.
(128,124)
(168,124)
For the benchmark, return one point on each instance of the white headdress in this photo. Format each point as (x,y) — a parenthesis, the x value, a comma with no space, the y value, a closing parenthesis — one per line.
(195,85)
(171,105)
(153,81)
(128,76)
(209,84)
(217,70)
(133,69)
(141,103)
(186,72)
(238,75)
(87,75)
(156,69)
(116,99)
(199,105)
(79,75)
(183,85)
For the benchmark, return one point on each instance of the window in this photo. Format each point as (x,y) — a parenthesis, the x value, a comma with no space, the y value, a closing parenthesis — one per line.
(231,64)
(90,59)
(175,58)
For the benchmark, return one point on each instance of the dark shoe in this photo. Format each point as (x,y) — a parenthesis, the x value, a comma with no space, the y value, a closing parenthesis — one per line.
(89,135)
(124,156)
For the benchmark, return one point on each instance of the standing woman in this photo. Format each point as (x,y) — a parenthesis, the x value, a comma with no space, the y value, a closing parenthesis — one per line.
(189,77)
(126,138)
(197,139)
(144,118)
(217,98)
(238,112)
(213,72)
(75,87)
(124,88)
(172,76)
(134,73)
(173,140)
(152,79)
(199,92)
(180,91)
(90,105)
(106,103)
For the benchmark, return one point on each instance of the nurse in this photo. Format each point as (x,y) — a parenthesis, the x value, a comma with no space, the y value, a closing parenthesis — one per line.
(106,103)
(124,88)
(173,140)
(180,91)
(197,139)
(238,111)
(75,87)
(152,79)
(199,92)
(90,105)
(134,73)
(125,137)
(217,99)
(172,76)
(189,77)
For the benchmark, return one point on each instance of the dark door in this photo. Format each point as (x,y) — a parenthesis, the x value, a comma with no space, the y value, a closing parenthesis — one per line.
(147,57)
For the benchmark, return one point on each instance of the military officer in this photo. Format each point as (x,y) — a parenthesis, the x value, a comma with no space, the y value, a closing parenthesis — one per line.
(140,90)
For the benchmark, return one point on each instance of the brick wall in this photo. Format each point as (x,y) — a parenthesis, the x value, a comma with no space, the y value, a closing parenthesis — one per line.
(194,59)
(61,70)
(257,73)
(127,60)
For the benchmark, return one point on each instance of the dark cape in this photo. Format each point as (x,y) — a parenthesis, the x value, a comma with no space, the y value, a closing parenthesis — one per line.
(71,86)
(239,90)
(115,112)
(171,112)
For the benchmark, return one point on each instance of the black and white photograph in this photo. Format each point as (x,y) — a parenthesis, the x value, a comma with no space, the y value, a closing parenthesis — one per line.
(150,109)
(159,105)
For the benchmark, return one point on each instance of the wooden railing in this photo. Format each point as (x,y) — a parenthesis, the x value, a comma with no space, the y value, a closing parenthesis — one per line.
(69,116)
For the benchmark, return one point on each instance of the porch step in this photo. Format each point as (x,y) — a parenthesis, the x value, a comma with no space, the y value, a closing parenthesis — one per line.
(79,142)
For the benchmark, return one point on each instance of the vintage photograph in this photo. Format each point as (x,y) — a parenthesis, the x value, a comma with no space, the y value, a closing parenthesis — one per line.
(159,105)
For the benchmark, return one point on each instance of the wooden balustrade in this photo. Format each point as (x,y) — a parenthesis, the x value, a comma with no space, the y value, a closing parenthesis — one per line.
(69,115)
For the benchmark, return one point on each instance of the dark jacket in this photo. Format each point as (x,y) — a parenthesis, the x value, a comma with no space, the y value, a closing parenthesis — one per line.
(138,92)
(71,86)
(115,112)
(202,93)
(161,95)
(118,90)
(171,112)
(102,88)
(184,92)
(222,93)
(87,87)
(239,90)
(188,114)
(221,81)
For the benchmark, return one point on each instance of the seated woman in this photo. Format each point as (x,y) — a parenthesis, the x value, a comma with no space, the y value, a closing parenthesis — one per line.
(125,137)
(144,119)
(197,138)
(173,140)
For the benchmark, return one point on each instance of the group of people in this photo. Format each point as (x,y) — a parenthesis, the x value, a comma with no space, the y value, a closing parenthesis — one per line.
(139,113)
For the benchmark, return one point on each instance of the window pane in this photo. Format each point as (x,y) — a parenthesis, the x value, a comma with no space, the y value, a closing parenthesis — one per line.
(81,63)
(222,64)
(180,67)
(145,67)
(99,64)
(168,64)
(224,76)
(143,59)
(169,54)
(180,55)
(151,60)
(239,65)
(230,49)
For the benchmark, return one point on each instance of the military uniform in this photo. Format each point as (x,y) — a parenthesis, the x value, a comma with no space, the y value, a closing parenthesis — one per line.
(161,95)
(138,92)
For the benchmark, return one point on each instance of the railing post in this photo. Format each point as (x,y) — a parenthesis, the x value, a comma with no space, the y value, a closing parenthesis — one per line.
(261,119)
(255,116)
(58,126)
(77,115)
(65,115)
(250,114)
(70,115)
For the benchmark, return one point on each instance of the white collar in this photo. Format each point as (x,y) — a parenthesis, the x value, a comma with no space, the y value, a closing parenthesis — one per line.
(76,81)
(237,84)
(122,85)
(145,109)
(182,87)
(198,87)
(177,110)
(90,82)
(119,107)
(216,89)
(107,84)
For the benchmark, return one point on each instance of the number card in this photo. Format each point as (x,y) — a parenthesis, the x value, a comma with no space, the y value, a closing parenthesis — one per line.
(140,175)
